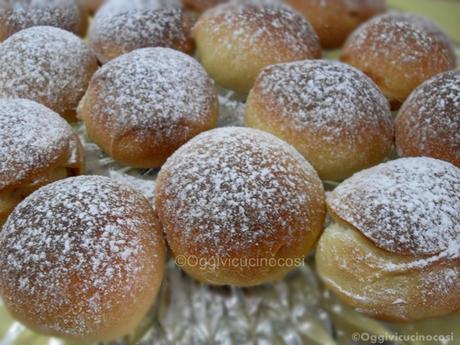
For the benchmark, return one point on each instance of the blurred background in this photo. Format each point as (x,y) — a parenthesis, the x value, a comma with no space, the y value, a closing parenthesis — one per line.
(445,12)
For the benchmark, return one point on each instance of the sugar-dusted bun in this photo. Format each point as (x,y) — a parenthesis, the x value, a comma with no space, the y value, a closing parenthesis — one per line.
(122,26)
(393,249)
(428,123)
(37,147)
(399,51)
(81,258)
(142,106)
(334,20)
(201,5)
(91,6)
(236,40)
(333,114)
(239,206)
(48,65)
(17,15)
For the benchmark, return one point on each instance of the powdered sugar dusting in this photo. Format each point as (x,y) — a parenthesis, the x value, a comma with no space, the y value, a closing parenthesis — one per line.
(230,189)
(410,205)
(388,36)
(47,65)
(73,251)
(325,96)
(32,137)
(266,25)
(430,119)
(131,25)
(153,90)
(16,15)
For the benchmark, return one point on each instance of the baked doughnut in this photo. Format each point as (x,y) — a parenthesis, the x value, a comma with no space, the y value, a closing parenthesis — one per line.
(47,65)
(37,147)
(239,206)
(333,114)
(82,258)
(236,40)
(393,248)
(201,5)
(399,51)
(428,123)
(142,106)
(91,6)
(334,20)
(122,26)
(17,15)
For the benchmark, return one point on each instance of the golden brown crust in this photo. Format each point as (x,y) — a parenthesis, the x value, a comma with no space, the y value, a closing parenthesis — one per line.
(235,41)
(239,207)
(17,15)
(332,114)
(168,27)
(91,279)
(409,206)
(428,123)
(399,51)
(201,5)
(385,285)
(334,20)
(37,148)
(59,83)
(142,106)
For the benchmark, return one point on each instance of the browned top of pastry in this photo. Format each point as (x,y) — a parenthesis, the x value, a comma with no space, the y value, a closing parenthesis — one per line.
(75,249)
(429,121)
(409,38)
(325,97)
(32,139)
(16,15)
(409,206)
(233,189)
(267,24)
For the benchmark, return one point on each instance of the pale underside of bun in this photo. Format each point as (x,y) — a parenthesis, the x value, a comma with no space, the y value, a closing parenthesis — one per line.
(386,285)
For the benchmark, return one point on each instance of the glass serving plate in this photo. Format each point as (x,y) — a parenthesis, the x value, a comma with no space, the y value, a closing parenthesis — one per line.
(296,310)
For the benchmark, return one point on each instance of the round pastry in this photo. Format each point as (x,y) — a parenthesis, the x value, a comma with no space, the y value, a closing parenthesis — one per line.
(82,258)
(399,51)
(201,5)
(122,26)
(91,6)
(37,147)
(236,40)
(334,20)
(393,248)
(428,123)
(333,114)
(47,65)
(142,106)
(239,206)
(17,15)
